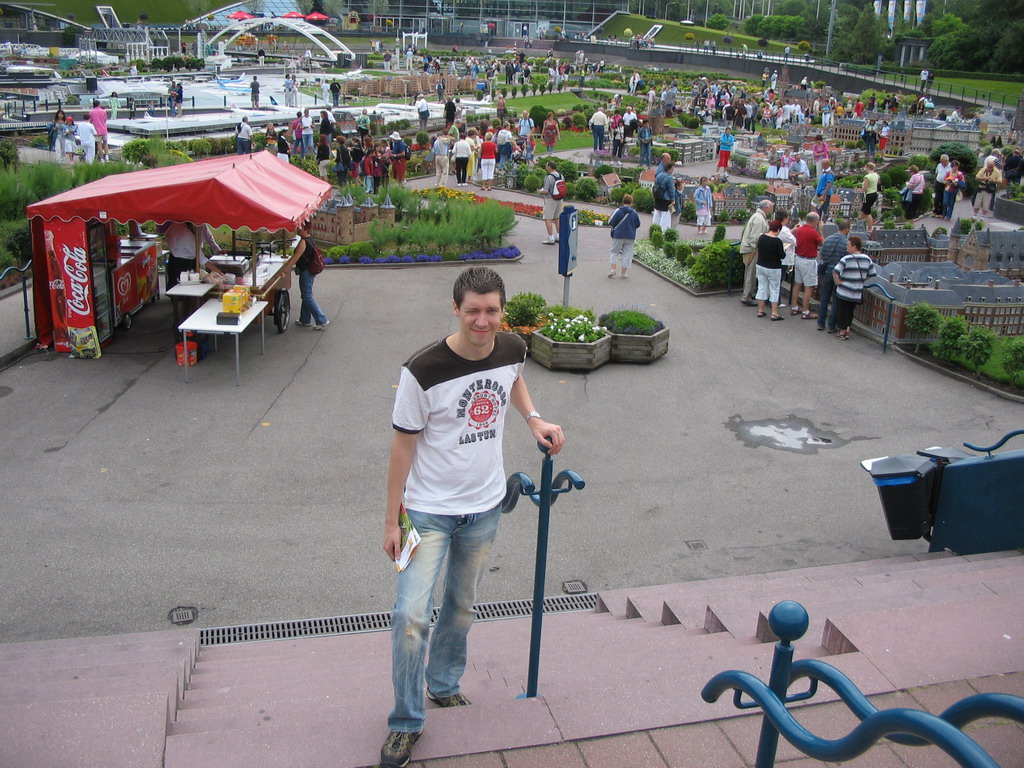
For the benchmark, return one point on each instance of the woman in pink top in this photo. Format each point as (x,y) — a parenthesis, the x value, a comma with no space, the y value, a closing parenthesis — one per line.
(915,189)
(819,152)
(98,118)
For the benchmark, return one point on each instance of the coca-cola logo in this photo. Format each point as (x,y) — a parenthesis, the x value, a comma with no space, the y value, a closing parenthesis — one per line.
(76,269)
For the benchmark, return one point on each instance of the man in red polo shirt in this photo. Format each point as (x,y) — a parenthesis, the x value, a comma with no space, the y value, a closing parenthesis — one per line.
(808,240)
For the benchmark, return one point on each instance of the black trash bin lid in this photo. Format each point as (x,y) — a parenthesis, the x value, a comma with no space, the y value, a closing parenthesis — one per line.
(901,469)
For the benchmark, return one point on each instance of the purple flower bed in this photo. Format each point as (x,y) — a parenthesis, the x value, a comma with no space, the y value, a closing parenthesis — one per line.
(499,253)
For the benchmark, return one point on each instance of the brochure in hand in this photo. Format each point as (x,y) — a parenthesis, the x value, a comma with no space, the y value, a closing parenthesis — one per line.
(410,540)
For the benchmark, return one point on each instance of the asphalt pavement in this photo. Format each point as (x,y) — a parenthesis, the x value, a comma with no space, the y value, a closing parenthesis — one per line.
(129,492)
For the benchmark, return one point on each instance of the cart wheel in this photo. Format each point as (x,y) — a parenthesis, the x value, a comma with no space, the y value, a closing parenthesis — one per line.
(126,322)
(282,311)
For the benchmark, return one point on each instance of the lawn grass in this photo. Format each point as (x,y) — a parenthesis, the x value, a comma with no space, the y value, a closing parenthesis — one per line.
(553,101)
(674,33)
(1001,87)
(993,369)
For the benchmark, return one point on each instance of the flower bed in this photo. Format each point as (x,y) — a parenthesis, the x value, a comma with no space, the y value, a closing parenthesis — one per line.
(587,217)
(507,254)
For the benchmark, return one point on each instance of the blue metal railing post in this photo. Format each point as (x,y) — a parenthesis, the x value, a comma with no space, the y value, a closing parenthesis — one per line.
(539,575)
(520,484)
(788,621)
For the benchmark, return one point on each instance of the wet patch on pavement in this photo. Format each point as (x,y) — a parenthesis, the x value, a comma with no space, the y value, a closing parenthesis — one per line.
(787,434)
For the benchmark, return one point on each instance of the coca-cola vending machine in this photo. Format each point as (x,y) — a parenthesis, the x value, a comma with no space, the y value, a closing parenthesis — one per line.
(79,281)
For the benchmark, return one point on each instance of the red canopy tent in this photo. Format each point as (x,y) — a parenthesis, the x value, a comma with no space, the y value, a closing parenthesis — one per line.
(256,191)
(240,15)
(293,15)
(317,16)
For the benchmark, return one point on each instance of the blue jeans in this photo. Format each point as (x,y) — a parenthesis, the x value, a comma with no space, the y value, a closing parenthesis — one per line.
(465,540)
(243,146)
(948,201)
(310,310)
(598,131)
(307,144)
(827,300)
(645,153)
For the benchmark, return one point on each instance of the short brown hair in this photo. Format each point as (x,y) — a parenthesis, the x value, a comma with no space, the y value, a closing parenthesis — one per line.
(856,242)
(627,199)
(478,280)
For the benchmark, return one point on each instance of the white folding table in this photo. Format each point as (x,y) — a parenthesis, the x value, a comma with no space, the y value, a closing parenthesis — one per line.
(204,320)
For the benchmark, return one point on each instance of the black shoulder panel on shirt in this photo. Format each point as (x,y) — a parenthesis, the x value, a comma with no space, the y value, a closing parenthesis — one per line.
(436,363)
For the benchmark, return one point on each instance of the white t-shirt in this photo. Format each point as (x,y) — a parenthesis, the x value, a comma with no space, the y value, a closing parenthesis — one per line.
(458,408)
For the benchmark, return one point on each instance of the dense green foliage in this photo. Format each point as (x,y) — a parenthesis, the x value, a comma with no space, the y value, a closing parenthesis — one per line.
(524,309)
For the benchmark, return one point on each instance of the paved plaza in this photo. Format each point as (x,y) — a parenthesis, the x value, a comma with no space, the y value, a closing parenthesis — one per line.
(129,492)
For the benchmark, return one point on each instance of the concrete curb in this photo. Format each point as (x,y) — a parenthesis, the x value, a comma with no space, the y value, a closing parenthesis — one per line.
(977,384)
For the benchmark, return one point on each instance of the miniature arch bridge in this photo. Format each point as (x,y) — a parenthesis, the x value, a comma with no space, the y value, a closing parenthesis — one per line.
(311,32)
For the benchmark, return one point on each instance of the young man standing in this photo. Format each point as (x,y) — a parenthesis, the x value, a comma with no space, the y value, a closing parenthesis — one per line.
(552,206)
(446,468)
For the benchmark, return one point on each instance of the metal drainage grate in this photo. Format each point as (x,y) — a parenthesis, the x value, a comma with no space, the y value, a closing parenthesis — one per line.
(574,587)
(183,615)
(376,622)
(697,545)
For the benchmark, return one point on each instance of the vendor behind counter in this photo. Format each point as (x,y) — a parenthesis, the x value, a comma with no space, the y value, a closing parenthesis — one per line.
(182,243)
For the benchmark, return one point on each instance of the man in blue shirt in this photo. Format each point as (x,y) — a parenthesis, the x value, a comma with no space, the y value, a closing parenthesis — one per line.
(645,139)
(826,181)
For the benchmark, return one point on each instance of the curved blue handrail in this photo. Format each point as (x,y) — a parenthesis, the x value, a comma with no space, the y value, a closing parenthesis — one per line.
(997,446)
(878,725)
(788,621)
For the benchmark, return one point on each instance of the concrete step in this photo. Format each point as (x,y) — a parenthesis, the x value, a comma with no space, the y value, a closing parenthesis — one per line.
(32,673)
(930,644)
(165,684)
(125,731)
(354,643)
(128,647)
(355,742)
(185,637)
(340,705)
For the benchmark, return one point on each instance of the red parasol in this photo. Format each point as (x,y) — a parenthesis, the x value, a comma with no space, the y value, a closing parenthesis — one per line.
(316,16)
(293,15)
(240,15)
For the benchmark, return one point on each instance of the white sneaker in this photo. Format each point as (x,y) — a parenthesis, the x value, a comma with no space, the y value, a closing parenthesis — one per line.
(321,326)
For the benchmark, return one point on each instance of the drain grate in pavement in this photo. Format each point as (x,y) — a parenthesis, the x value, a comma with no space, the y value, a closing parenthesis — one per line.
(574,587)
(377,622)
(182,615)
(697,545)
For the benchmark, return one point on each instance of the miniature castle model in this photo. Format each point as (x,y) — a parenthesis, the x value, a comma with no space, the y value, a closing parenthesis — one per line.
(982,297)
(341,222)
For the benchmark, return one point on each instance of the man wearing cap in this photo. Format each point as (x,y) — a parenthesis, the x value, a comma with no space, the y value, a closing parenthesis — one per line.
(423,110)
(399,157)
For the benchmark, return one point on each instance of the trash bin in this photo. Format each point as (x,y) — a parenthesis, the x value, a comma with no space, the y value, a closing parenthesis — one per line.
(91,84)
(905,488)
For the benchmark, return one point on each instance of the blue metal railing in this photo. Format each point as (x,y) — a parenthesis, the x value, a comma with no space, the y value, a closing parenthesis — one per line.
(789,621)
(520,484)
(24,293)
(888,315)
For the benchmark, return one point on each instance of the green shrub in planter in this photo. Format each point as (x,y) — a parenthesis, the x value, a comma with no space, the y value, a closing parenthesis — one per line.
(616,194)
(719,235)
(422,138)
(631,321)
(579,120)
(200,147)
(643,200)
(656,236)
(532,183)
(711,268)
(524,309)
(689,212)
(570,190)
(671,236)
(603,170)
(684,253)
(966,225)
(670,248)
(586,189)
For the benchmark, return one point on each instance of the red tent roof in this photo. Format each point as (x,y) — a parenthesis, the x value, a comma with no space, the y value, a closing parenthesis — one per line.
(256,191)
(316,16)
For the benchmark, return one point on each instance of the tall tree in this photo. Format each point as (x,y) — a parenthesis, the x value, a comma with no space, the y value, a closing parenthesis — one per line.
(864,41)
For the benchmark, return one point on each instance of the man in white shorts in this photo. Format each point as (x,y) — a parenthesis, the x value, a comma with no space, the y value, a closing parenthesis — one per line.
(808,241)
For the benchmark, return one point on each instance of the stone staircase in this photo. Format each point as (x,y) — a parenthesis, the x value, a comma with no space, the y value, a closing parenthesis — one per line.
(635,664)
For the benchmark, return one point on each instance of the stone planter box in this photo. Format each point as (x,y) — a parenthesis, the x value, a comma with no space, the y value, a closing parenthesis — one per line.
(630,348)
(1009,210)
(570,355)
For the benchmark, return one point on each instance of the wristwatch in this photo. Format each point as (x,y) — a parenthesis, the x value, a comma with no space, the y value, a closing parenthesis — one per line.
(532,415)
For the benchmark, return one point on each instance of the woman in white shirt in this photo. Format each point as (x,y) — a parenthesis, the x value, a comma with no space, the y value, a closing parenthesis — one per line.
(461,152)
(941,171)
(789,246)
